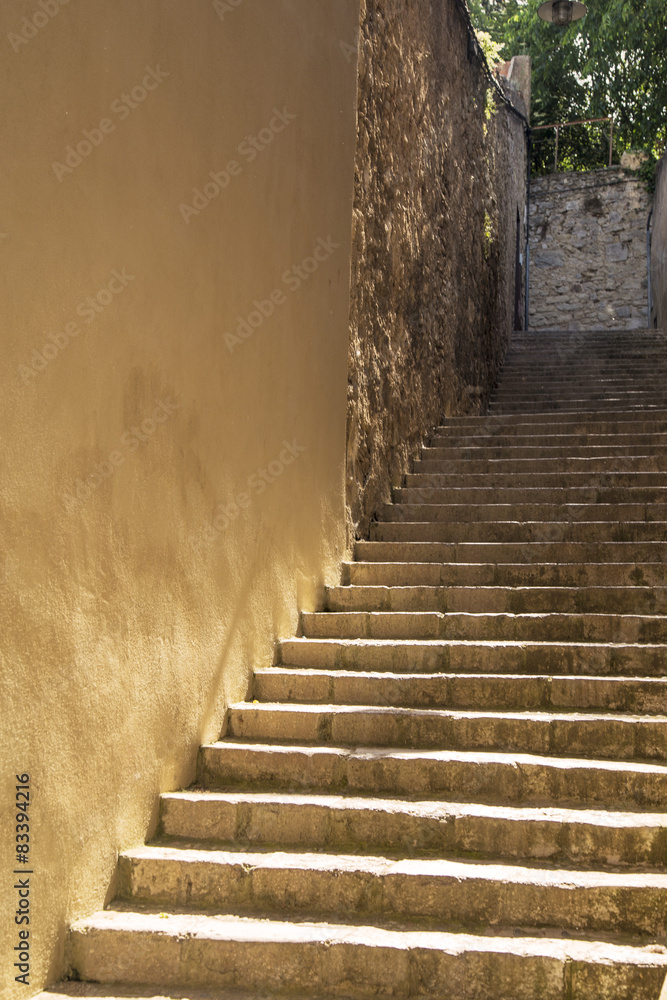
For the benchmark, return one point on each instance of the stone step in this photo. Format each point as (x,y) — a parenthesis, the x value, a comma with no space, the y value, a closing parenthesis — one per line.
(551,341)
(586,837)
(649,497)
(463,513)
(638,357)
(511,552)
(366,887)
(546,338)
(458,775)
(587,371)
(645,405)
(469,691)
(594,386)
(506,600)
(634,362)
(584,371)
(484,657)
(563,357)
(545,403)
(523,575)
(519,531)
(495,452)
(589,419)
(496,480)
(580,627)
(495,428)
(357,961)
(595,375)
(429,463)
(70,990)
(577,362)
(602,734)
(570,400)
(636,441)
(593,378)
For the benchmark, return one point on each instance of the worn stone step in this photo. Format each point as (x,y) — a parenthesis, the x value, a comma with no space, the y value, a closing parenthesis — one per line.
(546,626)
(601,734)
(497,480)
(551,343)
(653,404)
(564,359)
(612,463)
(511,600)
(585,358)
(444,891)
(586,371)
(591,388)
(590,375)
(586,420)
(69,990)
(579,361)
(412,827)
(523,575)
(649,498)
(554,440)
(588,531)
(484,656)
(491,428)
(496,452)
(626,339)
(523,512)
(458,775)
(548,399)
(357,961)
(594,379)
(583,370)
(511,552)
(470,691)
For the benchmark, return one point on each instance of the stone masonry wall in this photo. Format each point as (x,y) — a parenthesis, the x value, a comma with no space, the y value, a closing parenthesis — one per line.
(440,178)
(588,250)
(659,250)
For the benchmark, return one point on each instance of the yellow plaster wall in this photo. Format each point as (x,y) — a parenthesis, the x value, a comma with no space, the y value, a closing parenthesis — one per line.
(133,605)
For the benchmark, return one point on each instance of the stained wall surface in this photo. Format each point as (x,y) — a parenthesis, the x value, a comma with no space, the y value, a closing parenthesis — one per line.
(175,233)
(439,201)
(588,250)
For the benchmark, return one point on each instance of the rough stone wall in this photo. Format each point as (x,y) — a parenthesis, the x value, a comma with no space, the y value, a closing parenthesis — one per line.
(659,250)
(440,177)
(588,250)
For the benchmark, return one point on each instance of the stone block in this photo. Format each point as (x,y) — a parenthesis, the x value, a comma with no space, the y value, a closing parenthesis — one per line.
(616,252)
(548,259)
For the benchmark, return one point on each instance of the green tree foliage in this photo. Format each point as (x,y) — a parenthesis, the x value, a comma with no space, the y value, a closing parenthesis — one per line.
(612,62)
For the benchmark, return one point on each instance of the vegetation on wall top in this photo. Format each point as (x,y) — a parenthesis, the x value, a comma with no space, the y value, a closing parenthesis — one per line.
(613,62)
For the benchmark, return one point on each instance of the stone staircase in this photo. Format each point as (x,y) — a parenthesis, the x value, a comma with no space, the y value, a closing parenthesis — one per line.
(453,784)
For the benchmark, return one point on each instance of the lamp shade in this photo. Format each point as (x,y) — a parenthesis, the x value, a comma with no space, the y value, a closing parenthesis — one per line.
(562,11)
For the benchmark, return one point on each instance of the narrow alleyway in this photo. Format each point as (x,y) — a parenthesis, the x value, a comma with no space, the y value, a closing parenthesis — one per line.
(453,783)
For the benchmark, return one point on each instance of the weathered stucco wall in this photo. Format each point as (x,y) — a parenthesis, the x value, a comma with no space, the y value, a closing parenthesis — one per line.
(659,250)
(173,394)
(588,250)
(440,176)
